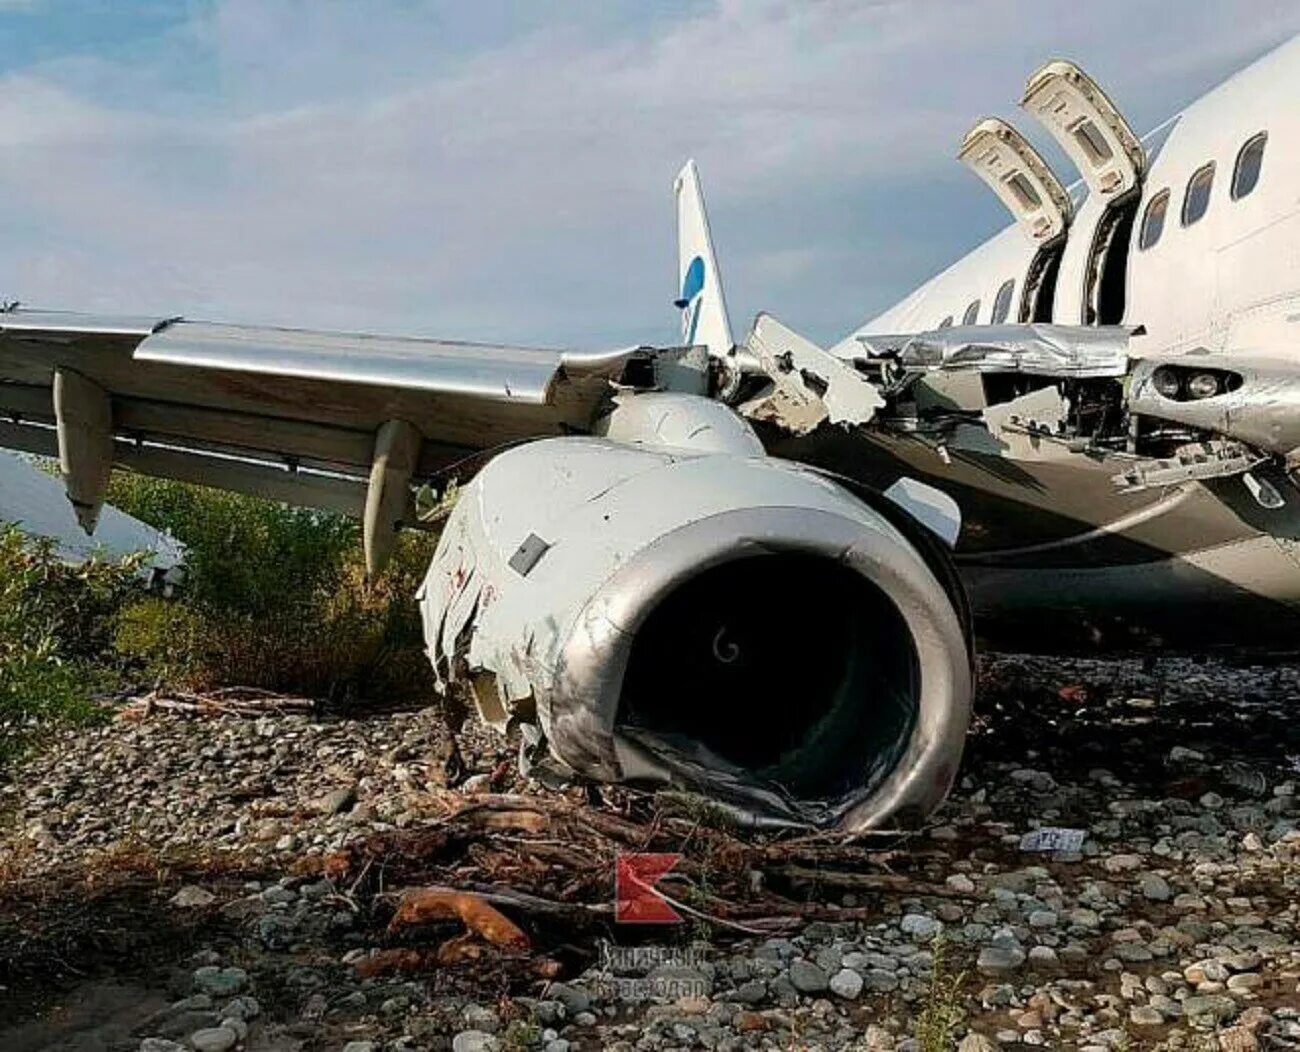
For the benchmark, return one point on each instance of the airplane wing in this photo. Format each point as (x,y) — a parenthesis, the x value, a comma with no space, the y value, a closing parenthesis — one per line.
(34,501)
(332,420)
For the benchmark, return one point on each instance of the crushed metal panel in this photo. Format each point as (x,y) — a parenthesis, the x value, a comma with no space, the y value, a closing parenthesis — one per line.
(667,420)
(809,385)
(1067,351)
(554,645)
(1193,462)
(1263,410)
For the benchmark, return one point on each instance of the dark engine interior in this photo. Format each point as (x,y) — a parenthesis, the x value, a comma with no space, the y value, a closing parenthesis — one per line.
(793,669)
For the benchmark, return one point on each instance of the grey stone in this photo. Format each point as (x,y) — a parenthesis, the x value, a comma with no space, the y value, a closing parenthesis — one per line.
(846,983)
(998,960)
(1043,957)
(192,897)
(276,931)
(276,895)
(1209,1010)
(1141,1015)
(1155,887)
(920,926)
(573,998)
(1208,970)
(245,1007)
(337,801)
(806,977)
(479,1018)
(220,982)
(160,1044)
(215,1039)
(976,1042)
(880,981)
(474,1041)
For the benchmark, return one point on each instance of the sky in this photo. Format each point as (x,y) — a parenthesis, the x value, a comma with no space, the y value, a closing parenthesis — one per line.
(502,171)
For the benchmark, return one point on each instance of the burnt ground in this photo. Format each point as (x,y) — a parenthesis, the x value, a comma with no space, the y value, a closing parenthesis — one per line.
(1176,925)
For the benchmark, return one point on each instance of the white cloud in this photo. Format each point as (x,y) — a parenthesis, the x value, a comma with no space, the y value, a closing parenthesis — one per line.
(416,170)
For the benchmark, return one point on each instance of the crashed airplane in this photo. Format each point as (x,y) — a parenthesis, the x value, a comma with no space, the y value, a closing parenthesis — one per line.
(755,570)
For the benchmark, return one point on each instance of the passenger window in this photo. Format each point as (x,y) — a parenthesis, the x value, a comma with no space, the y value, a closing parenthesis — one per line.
(1153,222)
(946,322)
(1087,136)
(1002,302)
(1197,198)
(1024,191)
(972,312)
(1249,163)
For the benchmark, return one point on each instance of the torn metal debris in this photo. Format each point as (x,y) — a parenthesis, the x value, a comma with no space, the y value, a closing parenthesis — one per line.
(807,385)
(1062,351)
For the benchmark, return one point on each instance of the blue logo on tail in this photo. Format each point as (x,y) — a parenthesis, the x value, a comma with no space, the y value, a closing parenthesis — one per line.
(691,300)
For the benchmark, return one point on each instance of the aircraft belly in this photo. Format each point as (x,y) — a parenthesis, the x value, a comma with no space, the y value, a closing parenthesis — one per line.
(1179,566)
(1058,511)
(1244,595)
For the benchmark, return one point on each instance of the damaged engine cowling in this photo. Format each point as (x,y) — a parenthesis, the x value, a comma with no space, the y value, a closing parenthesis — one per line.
(669,605)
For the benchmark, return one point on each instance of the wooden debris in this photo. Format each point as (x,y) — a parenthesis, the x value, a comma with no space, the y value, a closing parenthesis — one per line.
(422,905)
(386,962)
(521,870)
(229,701)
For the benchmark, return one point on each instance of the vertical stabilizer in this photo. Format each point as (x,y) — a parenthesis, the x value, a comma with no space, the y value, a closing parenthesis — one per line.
(700,298)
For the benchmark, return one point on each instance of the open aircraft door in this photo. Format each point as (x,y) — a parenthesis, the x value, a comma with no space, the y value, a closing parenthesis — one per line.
(1079,116)
(1013,170)
(1112,161)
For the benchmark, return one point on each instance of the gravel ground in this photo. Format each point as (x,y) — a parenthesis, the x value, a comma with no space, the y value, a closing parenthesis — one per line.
(156,897)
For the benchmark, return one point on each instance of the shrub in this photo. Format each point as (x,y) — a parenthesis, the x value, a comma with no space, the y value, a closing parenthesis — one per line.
(56,634)
(275,597)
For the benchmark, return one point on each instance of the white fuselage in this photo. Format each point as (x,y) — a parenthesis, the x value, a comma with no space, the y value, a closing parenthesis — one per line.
(1228,282)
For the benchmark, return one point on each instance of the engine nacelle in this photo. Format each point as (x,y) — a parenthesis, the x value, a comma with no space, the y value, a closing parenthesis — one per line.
(731,624)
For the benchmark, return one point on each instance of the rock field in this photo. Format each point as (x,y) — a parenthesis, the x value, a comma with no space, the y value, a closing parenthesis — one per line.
(158,895)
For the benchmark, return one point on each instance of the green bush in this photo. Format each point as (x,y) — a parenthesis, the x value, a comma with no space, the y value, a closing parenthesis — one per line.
(275,597)
(57,626)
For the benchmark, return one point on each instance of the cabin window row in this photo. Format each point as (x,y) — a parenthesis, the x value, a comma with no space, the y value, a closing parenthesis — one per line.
(1001,307)
(1196,197)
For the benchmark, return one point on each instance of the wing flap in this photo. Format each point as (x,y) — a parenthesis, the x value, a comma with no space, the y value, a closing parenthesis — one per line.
(294,414)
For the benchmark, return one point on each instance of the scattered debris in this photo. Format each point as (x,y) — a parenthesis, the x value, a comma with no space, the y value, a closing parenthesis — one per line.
(1051,838)
(1174,921)
(423,905)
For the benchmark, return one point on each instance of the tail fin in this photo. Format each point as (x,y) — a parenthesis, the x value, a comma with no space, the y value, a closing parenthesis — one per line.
(703,306)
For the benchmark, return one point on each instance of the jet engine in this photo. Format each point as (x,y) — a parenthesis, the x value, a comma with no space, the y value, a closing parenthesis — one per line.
(665,604)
